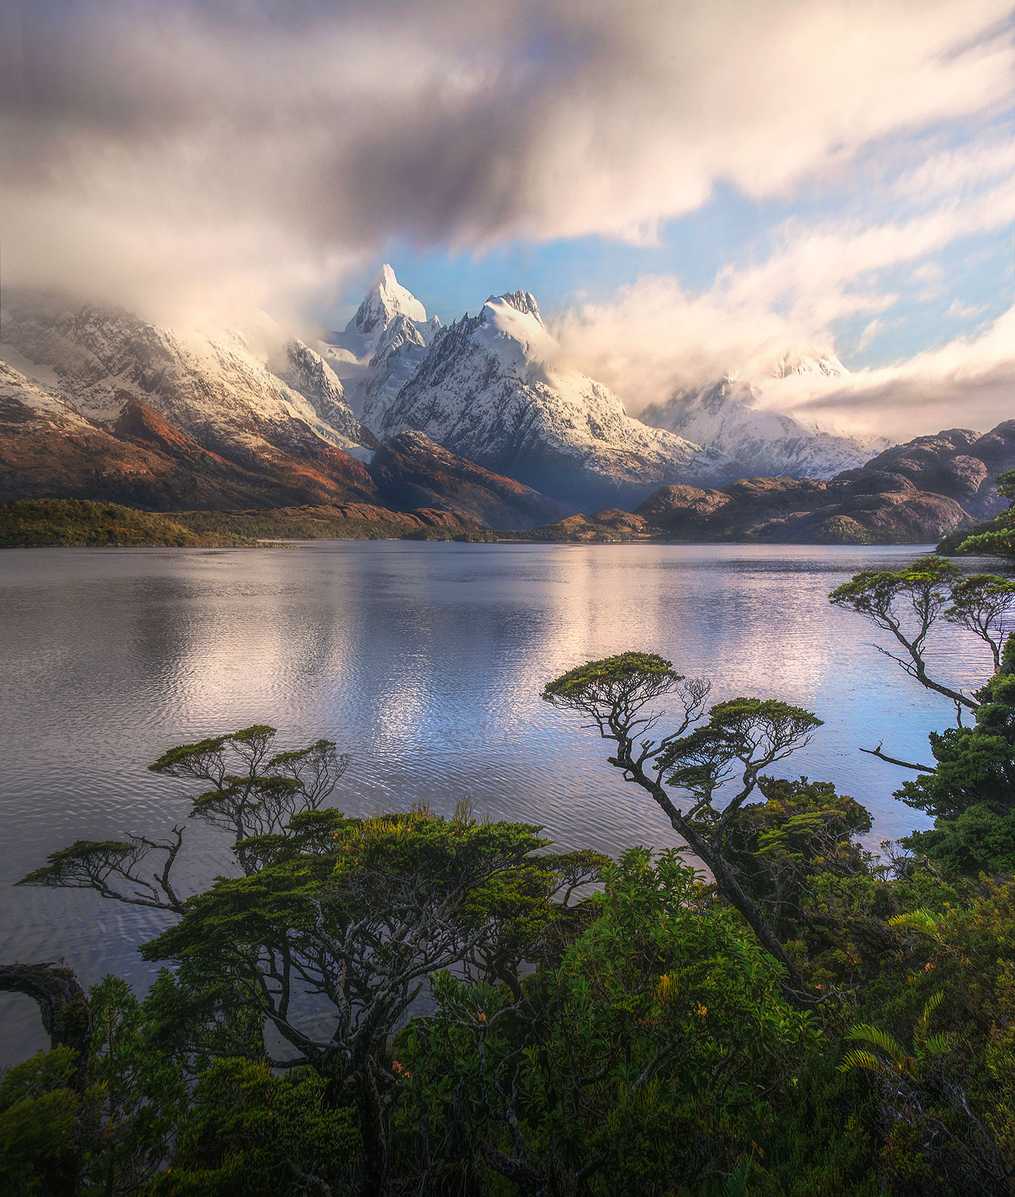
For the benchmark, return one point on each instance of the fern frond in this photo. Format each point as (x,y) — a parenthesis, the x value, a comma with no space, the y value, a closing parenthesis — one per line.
(891,1047)
(937,1045)
(865,1060)
(916,920)
(922,1028)
(736,1185)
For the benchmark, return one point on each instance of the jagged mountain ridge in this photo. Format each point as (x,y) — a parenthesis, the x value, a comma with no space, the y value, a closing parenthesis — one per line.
(511,409)
(758,441)
(399,353)
(218,389)
(381,346)
(489,390)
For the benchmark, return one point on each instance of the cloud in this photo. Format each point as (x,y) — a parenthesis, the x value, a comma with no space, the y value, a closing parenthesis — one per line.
(964,311)
(654,339)
(655,336)
(967,383)
(226,151)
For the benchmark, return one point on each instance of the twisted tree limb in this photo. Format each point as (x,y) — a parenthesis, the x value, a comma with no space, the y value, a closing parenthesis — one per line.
(66,1015)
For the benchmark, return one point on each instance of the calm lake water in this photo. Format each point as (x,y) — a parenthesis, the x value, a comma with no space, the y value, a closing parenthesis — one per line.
(425,663)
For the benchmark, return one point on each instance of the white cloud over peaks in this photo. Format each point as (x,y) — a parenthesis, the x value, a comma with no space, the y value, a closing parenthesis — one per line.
(968,383)
(654,336)
(243,148)
(654,339)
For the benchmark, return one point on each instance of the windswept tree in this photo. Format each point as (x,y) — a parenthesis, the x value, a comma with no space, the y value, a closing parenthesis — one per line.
(314,956)
(701,772)
(254,791)
(330,942)
(908,602)
(970,787)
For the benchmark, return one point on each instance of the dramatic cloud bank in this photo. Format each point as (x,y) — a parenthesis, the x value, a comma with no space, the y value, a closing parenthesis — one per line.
(214,154)
(654,337)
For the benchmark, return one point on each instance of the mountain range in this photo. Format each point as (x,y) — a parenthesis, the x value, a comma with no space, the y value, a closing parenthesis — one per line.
(484,418)
(757,441)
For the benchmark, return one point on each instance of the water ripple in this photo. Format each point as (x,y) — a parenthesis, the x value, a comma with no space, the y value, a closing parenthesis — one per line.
(425,662)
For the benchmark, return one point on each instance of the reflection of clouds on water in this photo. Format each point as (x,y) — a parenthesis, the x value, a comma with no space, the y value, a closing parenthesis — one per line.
(426,663)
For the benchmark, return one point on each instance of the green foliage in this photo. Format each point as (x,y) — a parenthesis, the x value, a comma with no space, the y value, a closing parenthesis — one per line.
(361,913)
(924,586)
(25,523)
(41,1133)
(139,1088)
(747,733)
(947,1111)
(894,1060)
(256,796)
(325,522)
(645,1038)
(971,793)
(644,1058)
(996,538)
(630,677)
(780,847)
(251,1132)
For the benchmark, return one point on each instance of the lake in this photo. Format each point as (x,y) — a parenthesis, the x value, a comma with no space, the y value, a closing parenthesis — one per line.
(424,662)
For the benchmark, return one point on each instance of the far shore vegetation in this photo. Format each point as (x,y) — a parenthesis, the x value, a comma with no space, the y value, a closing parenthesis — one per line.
(31,523)
(27,523)
(37,523)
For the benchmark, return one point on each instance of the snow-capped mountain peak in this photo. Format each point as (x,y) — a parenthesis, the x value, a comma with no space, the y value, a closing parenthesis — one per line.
(816,364)
(512,330)
(730,416)
(385,299)
(521,301)
(492,389)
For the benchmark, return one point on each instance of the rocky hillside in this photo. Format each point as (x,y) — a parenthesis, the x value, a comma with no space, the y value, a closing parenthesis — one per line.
(914,493)
(957,462)
(412,471)
(49,450)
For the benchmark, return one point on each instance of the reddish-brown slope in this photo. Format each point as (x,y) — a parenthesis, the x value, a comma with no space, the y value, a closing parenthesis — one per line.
(146,462)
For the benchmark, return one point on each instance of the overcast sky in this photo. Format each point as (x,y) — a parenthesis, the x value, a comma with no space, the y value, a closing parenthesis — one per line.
(688,187)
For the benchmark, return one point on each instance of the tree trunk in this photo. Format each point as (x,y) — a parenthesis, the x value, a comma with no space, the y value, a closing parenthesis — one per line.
(794,988)
(375,1130)
(66,1014)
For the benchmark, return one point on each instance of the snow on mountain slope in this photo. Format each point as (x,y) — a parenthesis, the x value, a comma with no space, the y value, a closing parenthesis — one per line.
(385,299)
(217,388)
(381,346)
(489,390)
(23,399)
(401,349)
(760,442)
